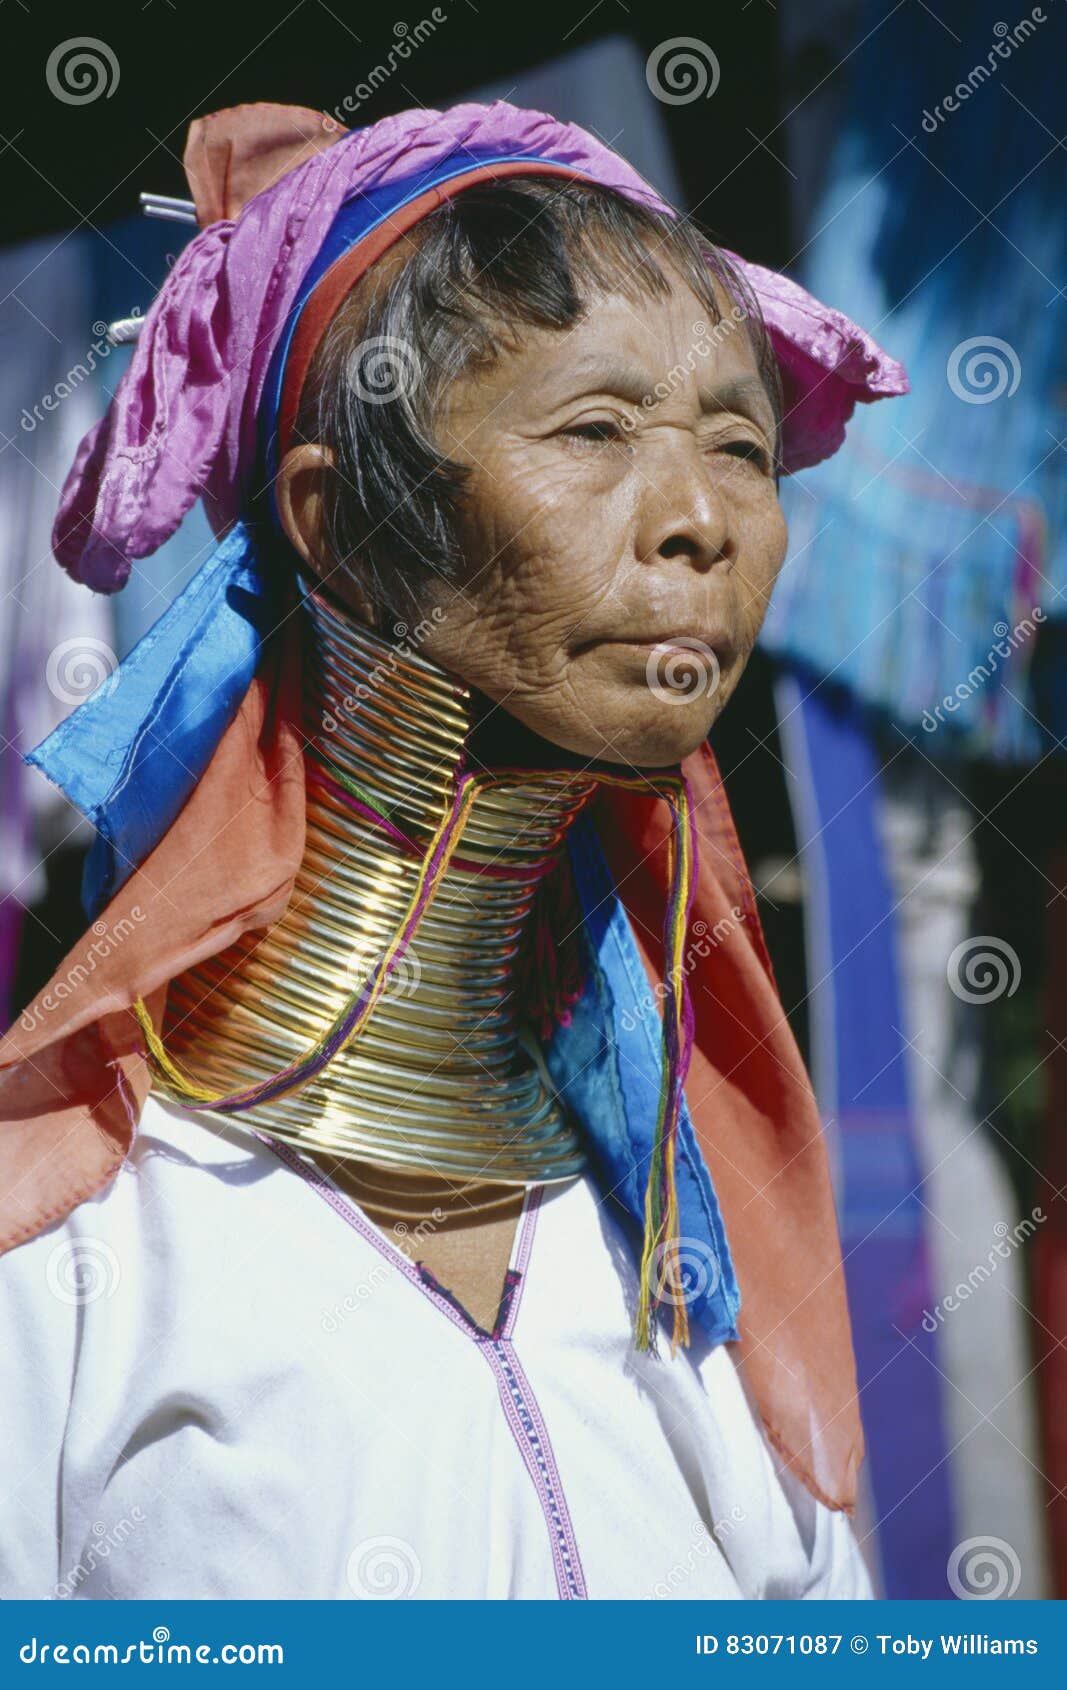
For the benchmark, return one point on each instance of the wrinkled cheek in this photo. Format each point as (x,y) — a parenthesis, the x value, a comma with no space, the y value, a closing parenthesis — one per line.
(761,582)
(529,620)
(531,659)
(538,573)
(495,650)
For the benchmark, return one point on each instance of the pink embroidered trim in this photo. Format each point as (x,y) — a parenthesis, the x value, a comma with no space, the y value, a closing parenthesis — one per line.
(517,1398)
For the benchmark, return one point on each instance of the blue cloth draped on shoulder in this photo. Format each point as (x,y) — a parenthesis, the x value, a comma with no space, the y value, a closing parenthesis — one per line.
(132,753)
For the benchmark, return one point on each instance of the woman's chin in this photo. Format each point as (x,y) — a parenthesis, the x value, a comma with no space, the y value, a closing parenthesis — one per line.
(638,731)
(656,744)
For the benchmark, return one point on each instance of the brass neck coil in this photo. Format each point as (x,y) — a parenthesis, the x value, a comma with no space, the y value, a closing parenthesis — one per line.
(444,1077)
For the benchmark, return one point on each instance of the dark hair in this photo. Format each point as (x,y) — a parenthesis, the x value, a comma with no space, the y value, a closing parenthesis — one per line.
(494,259)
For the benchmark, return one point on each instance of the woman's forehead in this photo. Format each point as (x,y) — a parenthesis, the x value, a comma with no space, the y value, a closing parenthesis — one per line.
(626,350)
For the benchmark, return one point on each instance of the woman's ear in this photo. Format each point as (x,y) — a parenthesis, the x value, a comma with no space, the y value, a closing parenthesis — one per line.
(300,491)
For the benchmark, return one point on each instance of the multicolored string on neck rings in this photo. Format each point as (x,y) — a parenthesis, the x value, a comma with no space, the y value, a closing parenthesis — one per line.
(661,1280)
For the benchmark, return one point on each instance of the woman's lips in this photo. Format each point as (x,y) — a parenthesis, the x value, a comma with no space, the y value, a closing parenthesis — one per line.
(680,668)
(717,646)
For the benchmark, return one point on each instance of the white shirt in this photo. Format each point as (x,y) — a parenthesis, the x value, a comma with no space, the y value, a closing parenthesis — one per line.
(224,1381)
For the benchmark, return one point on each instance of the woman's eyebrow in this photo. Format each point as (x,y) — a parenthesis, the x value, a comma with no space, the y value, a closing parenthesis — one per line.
(637,385)
(743,393)
(593,374)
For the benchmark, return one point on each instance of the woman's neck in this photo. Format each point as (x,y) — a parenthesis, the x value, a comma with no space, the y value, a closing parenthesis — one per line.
(442,1078)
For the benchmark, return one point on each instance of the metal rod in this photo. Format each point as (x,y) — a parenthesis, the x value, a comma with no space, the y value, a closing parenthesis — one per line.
(173,210)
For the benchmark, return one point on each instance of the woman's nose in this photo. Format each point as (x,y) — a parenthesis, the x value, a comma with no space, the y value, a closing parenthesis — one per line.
(683,517)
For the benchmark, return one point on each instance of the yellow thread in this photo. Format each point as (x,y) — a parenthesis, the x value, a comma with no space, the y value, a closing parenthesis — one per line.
(158,1053)
(665,1237)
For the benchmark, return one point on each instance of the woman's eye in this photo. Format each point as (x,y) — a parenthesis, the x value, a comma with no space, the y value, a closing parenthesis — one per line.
(596,431)
(750,450)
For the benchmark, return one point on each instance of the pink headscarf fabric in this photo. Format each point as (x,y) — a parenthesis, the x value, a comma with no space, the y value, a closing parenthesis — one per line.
(269,181)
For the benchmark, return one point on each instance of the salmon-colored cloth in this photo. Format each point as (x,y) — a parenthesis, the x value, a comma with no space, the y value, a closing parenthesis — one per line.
(233,155)
(73,1077)
(759,1129)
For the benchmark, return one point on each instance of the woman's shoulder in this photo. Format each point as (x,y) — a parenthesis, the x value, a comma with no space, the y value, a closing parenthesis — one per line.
(188,1202)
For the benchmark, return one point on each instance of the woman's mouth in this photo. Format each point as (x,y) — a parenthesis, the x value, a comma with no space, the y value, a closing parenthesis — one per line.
(715,646)
(677,667)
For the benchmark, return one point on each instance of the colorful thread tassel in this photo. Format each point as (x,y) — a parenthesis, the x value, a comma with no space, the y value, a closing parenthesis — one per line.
(661,1277)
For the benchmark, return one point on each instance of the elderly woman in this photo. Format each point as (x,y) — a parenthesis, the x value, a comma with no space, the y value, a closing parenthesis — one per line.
(415,1185)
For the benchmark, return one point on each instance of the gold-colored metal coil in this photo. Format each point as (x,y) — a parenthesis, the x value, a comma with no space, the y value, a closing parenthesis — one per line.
(443,1077)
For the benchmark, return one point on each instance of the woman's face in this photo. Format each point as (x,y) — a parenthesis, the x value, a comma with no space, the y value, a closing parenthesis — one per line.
(622,533)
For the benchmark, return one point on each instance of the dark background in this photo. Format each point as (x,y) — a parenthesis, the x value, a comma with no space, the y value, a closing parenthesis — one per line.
(63,165)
